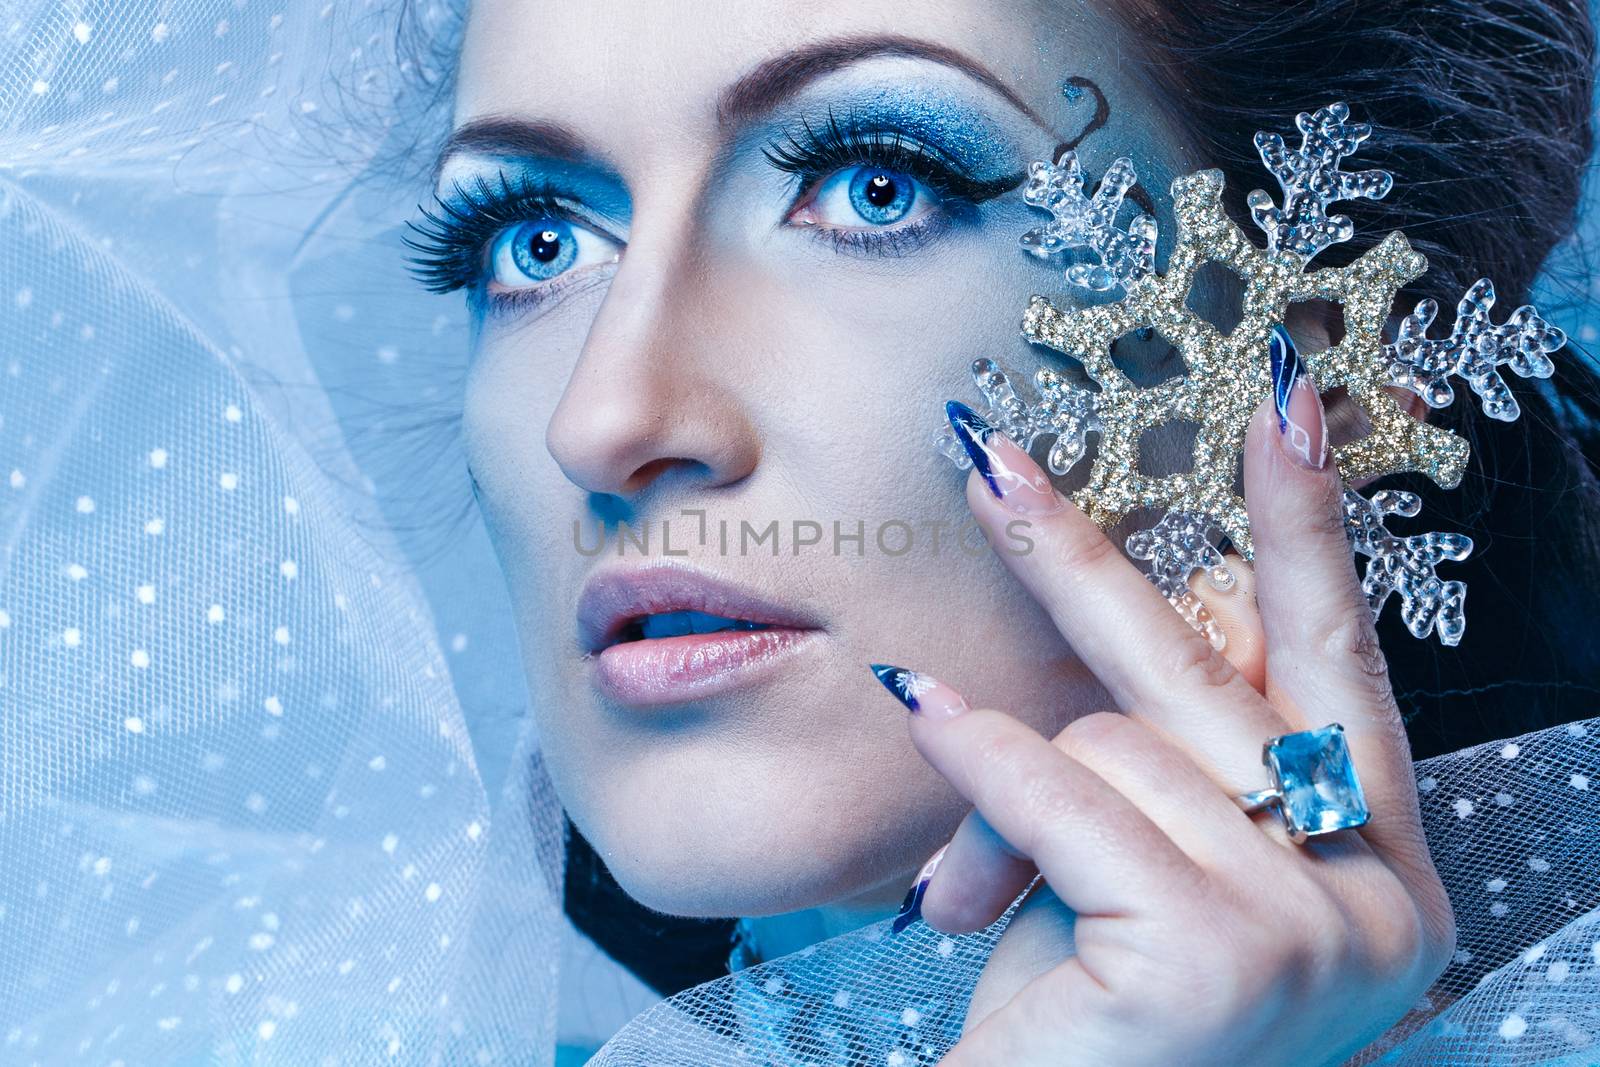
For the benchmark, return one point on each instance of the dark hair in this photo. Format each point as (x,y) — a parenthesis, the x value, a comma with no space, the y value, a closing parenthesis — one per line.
(1481,110)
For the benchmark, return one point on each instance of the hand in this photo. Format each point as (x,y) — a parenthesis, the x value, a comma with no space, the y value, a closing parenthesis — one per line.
(1175,928)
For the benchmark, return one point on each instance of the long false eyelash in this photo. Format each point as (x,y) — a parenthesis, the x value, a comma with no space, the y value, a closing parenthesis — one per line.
(453,233)
(814,154)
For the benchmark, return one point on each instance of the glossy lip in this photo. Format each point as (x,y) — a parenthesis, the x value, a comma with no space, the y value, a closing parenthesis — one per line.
(664,670)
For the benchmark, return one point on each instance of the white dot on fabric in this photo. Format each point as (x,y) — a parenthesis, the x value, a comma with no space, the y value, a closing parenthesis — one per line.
(1495,885)
(146,594)
(214,614)
(1513,1027)
(234,983)
(1498,910)
(155,526)
(85,505)
(229,480)
(841,999)
(158,458)
(474,830)
(458,643)
(289,569)
(1505,800)
(260,941)
(18,479)
(1511,750)
(291,505)
(266,1029)
(346,966)
(256,803)
(389,843)
(82,31)
(1580,782)
(1558,972)
(281,635)
(232,413)
(273,705)
(160,32)
(40,87)
(433,892)
(910,1017)
(947,947)
(72,637)
(77,572)
(773,986)
(140,658)
(1463,808)
(133,724)
(377,763)
(5,620)
(1538,864)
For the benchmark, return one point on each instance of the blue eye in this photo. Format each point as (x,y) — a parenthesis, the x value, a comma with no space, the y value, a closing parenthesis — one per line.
(529,253)
(882,197)
(873,195)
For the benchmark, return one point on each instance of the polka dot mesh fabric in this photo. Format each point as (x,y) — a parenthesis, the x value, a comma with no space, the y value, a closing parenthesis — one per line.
(252,809)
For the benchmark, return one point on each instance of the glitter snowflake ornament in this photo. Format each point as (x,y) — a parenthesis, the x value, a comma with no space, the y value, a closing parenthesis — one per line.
(1226,375)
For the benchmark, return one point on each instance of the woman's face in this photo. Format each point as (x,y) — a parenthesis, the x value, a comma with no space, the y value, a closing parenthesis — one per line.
(687,334)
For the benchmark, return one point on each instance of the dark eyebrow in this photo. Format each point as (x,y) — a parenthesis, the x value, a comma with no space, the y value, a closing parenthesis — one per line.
(507,135)
(755,93)
(782,76)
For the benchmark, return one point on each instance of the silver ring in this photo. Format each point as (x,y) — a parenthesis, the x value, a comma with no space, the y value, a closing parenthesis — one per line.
(1313,786)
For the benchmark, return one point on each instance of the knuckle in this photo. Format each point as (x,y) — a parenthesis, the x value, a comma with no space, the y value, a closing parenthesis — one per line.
(1094,734)
(1192,661)
(1352,638)
(1085,551)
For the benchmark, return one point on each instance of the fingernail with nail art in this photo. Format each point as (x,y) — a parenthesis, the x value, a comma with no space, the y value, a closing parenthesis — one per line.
(1009,472)
(1301,424)
(911,908)
(922,694)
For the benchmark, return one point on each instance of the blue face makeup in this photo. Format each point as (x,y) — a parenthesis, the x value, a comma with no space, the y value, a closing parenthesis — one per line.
(883,169)
(966,135)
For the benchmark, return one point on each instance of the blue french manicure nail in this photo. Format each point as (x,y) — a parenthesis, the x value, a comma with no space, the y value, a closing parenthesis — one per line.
(911,908)
(1302,427)
(1009,472)
(922,694)
(1286,367)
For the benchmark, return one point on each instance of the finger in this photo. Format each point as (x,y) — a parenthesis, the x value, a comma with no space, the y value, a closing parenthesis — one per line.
(1323,656)
(980,874)
(1153,664)
(1236,612)
(1099,852)
(976,879)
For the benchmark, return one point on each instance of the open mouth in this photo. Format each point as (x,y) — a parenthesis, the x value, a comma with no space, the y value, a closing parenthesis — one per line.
(667,633)
(679,623)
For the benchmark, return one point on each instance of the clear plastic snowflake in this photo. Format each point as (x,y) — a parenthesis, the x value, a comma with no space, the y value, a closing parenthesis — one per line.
(1227,375)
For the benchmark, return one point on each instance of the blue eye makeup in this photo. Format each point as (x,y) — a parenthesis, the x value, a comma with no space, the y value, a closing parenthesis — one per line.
(871,187)
(518,237)
(893,173)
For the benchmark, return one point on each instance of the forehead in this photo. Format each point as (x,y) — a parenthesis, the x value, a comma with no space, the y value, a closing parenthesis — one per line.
(625,72)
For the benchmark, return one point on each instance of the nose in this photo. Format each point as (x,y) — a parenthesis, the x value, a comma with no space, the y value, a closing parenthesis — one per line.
(654,392)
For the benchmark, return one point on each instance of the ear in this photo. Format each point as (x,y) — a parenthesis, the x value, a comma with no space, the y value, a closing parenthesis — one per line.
(1317,325)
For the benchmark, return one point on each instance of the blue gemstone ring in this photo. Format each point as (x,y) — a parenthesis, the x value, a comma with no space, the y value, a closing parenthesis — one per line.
(1314,784)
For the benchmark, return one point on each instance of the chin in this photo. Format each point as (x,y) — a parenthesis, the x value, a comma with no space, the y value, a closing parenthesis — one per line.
(710,841)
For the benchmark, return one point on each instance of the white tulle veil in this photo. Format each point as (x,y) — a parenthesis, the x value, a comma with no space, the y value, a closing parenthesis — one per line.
(268,791)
